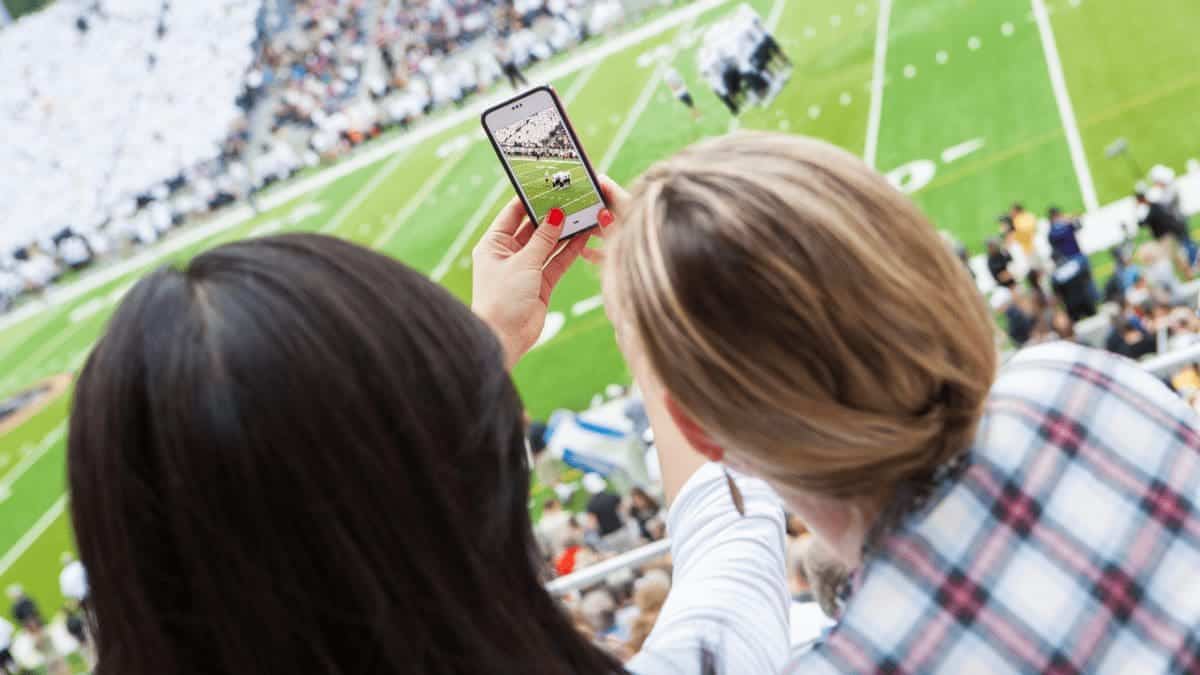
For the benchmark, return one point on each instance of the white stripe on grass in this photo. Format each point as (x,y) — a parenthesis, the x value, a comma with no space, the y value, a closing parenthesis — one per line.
(51,439)
(33,534)
(464,235)
(639,106)
(375,152)
(414,202)
(381,174)
(489,200)
(1058,81)
(875,115)
(776,13)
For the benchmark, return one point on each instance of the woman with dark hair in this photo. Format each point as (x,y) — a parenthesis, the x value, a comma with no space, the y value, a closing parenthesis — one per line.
(295,455)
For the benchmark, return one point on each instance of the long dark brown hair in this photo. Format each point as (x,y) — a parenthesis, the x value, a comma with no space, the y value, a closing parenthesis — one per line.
(298,456)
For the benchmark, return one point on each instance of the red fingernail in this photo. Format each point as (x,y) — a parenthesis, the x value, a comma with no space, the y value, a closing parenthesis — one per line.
(605,217)
(556,216)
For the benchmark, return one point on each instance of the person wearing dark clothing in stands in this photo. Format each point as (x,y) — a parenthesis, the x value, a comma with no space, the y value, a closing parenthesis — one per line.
(24,609)
(1129,339)
(1167,229)
(1062,234)
(998,261)
(1073,285)
(606,506)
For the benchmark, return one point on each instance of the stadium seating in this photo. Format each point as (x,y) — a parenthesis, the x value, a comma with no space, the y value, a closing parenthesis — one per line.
(164,77)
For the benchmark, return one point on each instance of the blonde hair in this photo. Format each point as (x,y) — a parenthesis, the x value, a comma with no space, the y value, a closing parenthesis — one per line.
(804,312)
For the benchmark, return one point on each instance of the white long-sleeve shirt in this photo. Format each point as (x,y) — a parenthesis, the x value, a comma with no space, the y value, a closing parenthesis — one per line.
(729,587)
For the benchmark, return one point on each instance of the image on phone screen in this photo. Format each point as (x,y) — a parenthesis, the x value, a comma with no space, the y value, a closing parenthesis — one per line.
(547,166)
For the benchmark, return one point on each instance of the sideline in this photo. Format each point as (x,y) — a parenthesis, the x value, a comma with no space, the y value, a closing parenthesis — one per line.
(242,213)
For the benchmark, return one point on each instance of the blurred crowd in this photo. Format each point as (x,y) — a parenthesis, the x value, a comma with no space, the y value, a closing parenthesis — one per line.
(57,644)
(217,101)
(1149,306)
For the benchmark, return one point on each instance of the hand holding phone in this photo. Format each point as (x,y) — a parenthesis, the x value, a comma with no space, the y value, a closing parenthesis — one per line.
(544,160)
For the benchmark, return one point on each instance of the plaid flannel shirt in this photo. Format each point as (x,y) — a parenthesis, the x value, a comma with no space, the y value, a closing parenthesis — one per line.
(1070,543)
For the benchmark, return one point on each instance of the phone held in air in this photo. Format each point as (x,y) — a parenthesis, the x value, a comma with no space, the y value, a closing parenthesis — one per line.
(544,159)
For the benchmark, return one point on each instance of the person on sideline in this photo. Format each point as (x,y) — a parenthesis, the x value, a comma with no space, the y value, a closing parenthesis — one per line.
(1040,517)
(333,440)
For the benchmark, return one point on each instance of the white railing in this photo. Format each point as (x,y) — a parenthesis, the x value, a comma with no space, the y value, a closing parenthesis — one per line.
(1159,366)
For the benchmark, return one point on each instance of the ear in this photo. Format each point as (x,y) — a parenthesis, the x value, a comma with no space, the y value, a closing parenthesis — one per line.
(697,437)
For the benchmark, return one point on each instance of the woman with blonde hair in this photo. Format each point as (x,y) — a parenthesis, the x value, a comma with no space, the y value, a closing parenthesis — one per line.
(798,320)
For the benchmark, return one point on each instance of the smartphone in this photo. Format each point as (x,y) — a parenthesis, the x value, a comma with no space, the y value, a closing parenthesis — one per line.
(544,160)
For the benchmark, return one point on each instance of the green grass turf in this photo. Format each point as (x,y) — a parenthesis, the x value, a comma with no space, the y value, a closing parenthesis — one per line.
(1130,72)
(535,176)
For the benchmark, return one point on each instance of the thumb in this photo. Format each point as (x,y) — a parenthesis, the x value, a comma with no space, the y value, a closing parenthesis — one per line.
(544,239)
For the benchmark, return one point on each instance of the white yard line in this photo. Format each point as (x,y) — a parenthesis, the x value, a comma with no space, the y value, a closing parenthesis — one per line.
(238,215)
(774,16)
(415,201)
(639,106)
(38,358)
(381,174)
(32,535)
(30,459)
(871,151)
(1066,111)
(464,235)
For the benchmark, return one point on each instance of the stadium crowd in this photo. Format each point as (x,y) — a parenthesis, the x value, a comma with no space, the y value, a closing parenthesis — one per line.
(217,101)
(1149,306)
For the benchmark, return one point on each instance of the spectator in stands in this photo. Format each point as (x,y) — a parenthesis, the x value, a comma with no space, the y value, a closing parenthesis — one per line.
(1170,233)
(650,592)
(8,666)
(552,528)
(1019,322)
(1021,229)
(1158,274)
(1073,286)
(1129,338)
(1165,192)
(1123,277)
(1063,242)
(24,609)
(644,510)
(738,283)
(998,262)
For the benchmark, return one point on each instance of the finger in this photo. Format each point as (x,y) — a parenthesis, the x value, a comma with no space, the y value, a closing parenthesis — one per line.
(561,260)
(509,218)
(524,232)
(544,239)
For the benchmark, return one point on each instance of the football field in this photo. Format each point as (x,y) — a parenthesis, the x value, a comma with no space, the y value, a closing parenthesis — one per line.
(535,177)
(968,104)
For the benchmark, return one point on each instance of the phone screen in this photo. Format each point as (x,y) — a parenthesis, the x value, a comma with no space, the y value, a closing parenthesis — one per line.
(544,160)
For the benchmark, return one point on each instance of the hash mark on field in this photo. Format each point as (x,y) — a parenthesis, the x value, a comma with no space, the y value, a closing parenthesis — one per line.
(809,32)
(910,71)
(1007,29)
(845,99)
(835,20)
(942,56)
(974,43)
(814,111)
(586,305)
